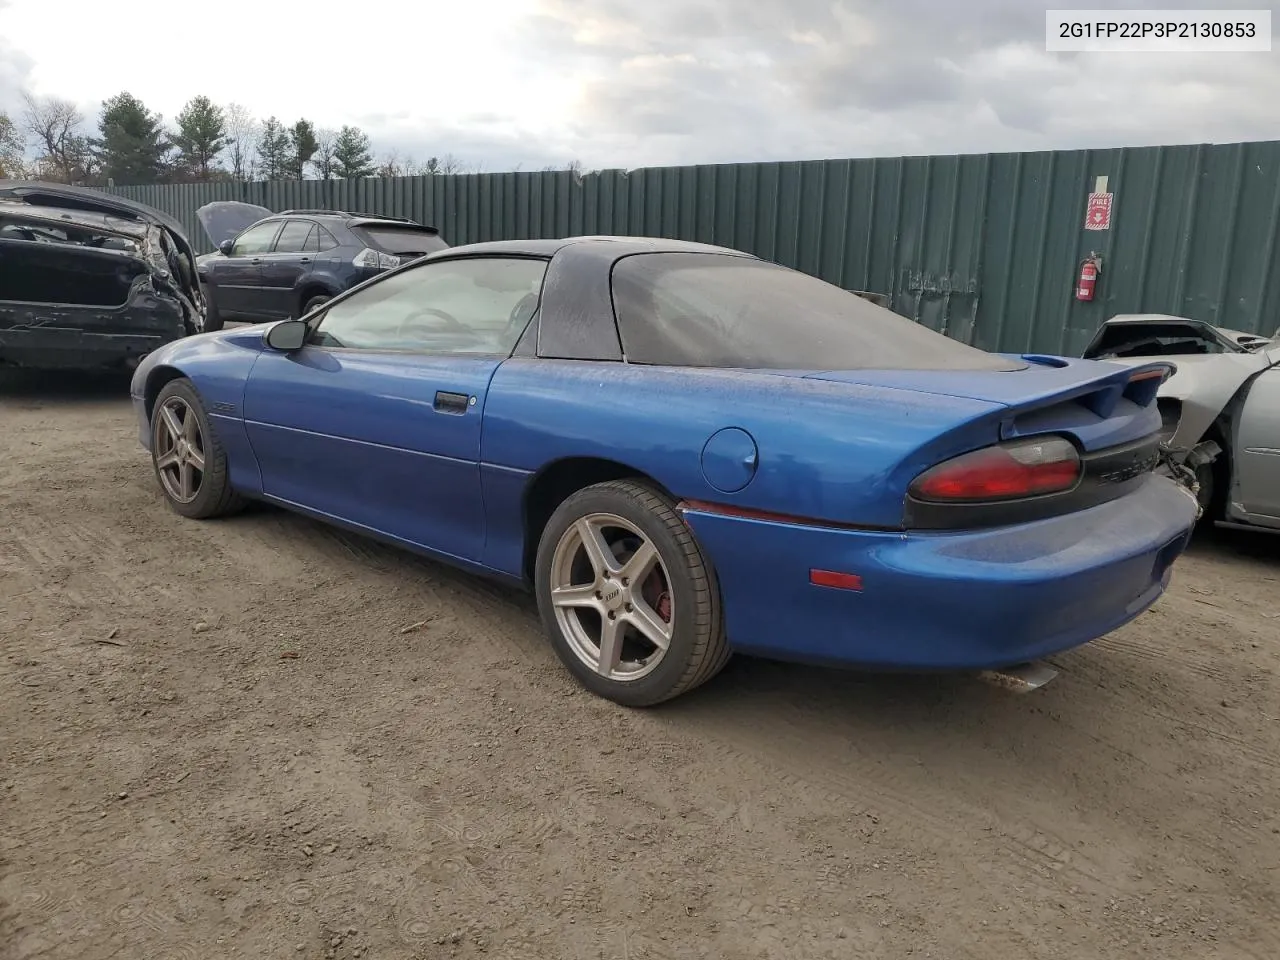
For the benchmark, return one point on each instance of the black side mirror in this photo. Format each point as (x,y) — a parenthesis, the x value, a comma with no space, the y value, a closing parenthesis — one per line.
(225,247)
(286,336)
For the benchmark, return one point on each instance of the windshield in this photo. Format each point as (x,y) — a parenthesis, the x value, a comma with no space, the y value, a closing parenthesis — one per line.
(715,310)
(401,239)
(1157,339)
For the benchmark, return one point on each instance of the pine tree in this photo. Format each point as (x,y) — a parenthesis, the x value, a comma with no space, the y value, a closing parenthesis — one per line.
(275,151)
(201,136)
(132,145)
(351,154)
(302,139)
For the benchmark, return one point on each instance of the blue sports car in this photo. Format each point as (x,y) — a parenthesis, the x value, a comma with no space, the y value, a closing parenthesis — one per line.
(685,451)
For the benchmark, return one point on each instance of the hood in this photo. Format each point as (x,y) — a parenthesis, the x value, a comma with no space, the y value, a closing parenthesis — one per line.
(227,219)
(40,194)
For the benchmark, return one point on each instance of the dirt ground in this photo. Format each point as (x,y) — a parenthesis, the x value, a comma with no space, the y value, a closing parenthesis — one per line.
(260,738)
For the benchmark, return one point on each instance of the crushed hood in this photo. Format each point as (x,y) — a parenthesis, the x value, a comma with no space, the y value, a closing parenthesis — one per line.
(227,219)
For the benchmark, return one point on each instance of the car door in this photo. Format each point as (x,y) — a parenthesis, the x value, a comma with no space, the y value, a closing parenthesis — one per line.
(1257,448)
(283,267)
(376,420)
(237,277)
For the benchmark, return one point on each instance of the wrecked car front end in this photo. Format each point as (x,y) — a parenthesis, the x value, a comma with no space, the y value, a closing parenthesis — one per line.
(1212,370)
(88,280)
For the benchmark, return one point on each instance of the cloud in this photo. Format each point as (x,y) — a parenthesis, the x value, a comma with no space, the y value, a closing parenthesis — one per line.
(15,75)
(623,84)
(715,80)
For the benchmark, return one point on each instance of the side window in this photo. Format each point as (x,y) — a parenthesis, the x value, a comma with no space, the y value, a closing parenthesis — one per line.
(313,240)
(256,239)
(324,239)
(293,238)
(466,306)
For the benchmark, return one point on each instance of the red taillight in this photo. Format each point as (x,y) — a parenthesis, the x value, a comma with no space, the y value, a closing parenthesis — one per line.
(1007,472)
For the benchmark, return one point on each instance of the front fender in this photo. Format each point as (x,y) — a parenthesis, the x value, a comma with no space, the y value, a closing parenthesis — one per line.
(218,366)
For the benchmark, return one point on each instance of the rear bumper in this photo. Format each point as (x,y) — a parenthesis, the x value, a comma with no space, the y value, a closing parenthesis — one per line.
(946,601)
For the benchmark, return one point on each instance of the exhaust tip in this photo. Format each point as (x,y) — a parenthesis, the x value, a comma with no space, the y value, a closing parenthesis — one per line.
(1021,678)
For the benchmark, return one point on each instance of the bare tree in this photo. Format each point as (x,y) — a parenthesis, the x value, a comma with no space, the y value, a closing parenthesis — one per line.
(393,165)
(450,164)
(573,166)
(325,159)
(56,126)
(447,164)
(242,141)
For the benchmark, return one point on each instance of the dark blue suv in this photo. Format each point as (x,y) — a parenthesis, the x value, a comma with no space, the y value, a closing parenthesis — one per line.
(273,266)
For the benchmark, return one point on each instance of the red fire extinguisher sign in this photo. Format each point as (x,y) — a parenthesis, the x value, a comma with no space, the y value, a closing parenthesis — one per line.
(1098,212)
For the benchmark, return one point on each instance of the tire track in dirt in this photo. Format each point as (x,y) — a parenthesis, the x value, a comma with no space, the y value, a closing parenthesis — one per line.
(82,562)
(1029,855)
(1153,652)
(784,748)
(1150,697)
(485,611)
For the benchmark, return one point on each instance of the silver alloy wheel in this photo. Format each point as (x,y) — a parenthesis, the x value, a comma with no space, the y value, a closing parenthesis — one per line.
(611,594)
(179,449)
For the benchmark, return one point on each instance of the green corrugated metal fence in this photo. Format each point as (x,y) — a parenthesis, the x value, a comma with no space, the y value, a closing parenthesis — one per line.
(985,248)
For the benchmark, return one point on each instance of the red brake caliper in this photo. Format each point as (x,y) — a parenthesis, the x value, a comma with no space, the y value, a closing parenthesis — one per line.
(655,594)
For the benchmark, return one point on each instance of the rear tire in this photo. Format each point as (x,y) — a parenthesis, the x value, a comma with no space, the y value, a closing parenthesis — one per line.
(653,586)
(313,302)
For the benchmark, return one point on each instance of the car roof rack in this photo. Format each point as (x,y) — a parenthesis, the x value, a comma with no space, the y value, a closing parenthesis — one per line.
(345,214)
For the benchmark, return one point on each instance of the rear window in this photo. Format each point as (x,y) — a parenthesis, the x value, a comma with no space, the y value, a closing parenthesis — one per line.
(714,310)
(401,239)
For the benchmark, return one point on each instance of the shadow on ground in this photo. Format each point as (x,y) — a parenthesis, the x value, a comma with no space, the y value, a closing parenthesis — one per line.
(64,385)
(1219,543)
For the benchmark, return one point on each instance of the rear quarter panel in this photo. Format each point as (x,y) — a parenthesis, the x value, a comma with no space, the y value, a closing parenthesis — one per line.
(831,451)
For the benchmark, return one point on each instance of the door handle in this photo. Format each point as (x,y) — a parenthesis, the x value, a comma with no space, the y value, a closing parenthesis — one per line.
(256,260)
(305,260)
(451,402)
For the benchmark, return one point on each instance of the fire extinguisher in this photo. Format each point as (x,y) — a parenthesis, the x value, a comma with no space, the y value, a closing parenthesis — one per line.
(1088,278)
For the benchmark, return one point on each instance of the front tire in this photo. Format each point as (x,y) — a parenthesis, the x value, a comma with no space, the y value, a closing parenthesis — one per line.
(189,461)
(630,604)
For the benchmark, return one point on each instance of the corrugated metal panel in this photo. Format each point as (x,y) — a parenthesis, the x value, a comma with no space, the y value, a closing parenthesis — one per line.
(984,248)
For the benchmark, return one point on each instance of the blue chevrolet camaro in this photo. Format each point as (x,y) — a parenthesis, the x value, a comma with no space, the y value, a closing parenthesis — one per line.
(684,451)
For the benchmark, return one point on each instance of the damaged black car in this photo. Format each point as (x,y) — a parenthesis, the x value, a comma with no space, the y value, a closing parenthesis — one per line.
(89,280)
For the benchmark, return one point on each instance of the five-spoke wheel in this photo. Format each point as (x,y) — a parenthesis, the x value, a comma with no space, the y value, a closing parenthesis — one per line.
(179,449)
(189,461)
(612,596)
(628,601)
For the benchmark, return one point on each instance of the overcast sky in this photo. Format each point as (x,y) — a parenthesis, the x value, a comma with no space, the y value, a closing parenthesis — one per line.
(629,83)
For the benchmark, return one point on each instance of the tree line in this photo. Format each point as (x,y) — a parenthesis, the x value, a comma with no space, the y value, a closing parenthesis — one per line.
(50,140)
